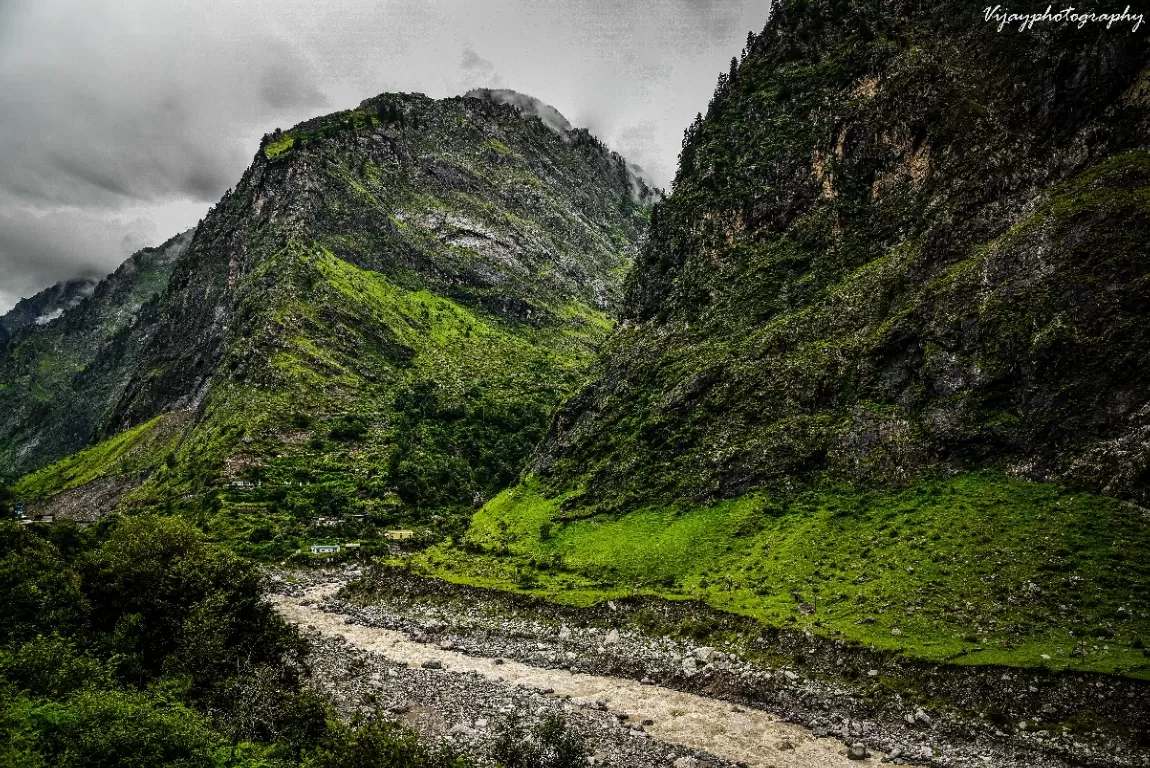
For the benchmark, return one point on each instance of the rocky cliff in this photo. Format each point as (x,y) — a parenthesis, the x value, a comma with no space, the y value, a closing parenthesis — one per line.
(882,371)
(381,315)
(900,242)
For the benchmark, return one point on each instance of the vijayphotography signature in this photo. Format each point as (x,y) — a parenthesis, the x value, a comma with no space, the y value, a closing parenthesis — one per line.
(1070,15)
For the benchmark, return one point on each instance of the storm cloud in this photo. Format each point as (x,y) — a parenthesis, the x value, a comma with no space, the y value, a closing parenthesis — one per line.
(122,121)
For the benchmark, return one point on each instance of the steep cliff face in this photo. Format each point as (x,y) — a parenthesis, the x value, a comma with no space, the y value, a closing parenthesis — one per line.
(464,197)
(381,315)
(900,242)
(902,276)
(71,352)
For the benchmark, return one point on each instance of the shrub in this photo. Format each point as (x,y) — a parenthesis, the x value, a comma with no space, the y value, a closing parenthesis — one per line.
(377,744)
(551,744)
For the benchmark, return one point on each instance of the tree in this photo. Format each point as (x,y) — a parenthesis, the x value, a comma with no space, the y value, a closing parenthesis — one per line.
(39,593)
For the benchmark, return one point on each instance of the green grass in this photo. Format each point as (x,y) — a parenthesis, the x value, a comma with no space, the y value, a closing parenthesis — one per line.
(279,148)
(138,449)
(445,403)
(978,569)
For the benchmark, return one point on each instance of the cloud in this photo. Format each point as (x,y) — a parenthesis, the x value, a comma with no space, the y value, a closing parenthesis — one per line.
(113,112)
(96,129)
(38,250)
(474,62)
(527,105)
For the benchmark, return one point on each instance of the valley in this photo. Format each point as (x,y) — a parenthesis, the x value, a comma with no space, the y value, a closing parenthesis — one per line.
(838,453)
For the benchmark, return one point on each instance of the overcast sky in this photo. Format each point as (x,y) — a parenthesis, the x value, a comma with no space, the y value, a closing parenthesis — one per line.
(123,121)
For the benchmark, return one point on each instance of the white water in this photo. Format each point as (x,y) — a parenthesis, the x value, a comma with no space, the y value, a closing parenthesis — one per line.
(696,722)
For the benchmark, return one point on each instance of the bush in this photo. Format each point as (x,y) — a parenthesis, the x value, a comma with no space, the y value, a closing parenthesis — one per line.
(377,744)
(110,729)
(53,667)
(38,593)
(551,744)
(348,428)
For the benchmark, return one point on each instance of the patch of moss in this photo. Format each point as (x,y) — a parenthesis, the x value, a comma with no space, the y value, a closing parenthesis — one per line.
(279,148)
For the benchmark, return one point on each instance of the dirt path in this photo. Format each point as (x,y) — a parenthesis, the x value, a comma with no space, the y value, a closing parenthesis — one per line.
(748,736)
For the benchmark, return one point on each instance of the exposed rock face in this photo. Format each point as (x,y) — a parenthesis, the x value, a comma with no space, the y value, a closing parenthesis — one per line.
(71,352)
(463,197)
(900,241)
(389,305)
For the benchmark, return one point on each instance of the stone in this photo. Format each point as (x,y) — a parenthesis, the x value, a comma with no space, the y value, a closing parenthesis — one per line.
(685,762)
(858,751)
(706,654)
(896,632)
(432,664)
(565,633)
(612,637)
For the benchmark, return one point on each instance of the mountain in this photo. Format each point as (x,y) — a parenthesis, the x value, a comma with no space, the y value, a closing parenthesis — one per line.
(891,321)
(378,320)
(46,306)
(862,274)
(70,351)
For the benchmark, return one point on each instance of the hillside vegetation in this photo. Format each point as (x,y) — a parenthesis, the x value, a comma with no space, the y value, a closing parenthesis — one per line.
(138,644)
(882,365)
(372,330)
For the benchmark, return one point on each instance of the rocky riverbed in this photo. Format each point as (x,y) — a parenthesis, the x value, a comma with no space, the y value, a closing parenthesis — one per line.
(455,666)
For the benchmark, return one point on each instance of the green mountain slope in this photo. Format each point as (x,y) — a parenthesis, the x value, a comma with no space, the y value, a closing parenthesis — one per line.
(71,351)
(374,326)
(903,250)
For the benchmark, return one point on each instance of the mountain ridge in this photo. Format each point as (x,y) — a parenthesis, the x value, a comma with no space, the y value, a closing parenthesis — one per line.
(453,256)
(881,369)
(835,216)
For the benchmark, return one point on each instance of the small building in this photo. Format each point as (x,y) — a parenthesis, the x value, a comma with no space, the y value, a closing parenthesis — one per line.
(400,535)
(325,549)
(352,546)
